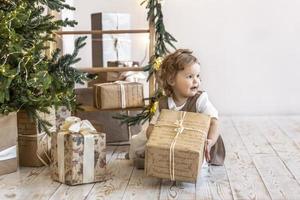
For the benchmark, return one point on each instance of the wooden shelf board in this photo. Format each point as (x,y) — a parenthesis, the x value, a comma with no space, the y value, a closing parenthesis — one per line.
(96,70)
(94,109)
(99,32)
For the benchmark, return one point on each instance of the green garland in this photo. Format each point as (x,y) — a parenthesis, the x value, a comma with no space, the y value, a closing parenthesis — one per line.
(30,80)
(162,39)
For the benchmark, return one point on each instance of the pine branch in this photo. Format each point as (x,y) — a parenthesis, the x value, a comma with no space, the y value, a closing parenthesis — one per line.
(30,80)
(155,15)
(146,115)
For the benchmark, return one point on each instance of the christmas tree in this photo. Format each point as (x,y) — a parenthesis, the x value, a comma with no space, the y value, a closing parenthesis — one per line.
(29,79)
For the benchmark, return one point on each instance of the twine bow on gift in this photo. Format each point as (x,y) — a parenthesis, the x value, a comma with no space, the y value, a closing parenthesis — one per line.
(179,129)
(84,127)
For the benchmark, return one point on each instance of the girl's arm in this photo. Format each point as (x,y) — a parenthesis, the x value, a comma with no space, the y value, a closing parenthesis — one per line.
(213,134)
(211,137)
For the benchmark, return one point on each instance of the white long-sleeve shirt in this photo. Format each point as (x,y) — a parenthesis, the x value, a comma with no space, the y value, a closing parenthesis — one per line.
(203,105)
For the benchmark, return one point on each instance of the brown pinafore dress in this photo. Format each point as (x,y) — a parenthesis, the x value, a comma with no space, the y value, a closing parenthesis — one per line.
(217,152)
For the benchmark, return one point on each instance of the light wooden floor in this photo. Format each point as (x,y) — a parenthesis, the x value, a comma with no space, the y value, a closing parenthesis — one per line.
(263,162)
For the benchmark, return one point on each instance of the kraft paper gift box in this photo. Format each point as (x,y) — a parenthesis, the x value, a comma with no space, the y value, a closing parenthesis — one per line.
(8,143)
(175,149)
(118,95)
(78,153)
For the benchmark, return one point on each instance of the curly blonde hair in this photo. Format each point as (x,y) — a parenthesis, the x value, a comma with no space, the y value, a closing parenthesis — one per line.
(172,64)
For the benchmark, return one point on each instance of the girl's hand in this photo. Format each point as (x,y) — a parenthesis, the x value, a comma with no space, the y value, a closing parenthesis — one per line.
(207,148)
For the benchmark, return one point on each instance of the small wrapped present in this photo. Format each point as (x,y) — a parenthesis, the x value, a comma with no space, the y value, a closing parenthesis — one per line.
(8,143)
(78,153)
(175,148)
(118,94)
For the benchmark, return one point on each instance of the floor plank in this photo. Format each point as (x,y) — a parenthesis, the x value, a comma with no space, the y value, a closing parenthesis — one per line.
(296,119)
(262,162)
(142,187)
(119,173)
(274,173)
(79,191)
(280,183)
(244,178)
(289,126)
(254,141)
(285,147)
(177,190)
(213,183)
(41,188)
(14,185)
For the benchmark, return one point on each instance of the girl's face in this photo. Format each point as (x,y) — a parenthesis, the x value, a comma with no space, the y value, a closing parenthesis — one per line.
(186,82)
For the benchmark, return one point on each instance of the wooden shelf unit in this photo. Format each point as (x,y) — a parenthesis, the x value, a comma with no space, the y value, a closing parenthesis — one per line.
(97,70)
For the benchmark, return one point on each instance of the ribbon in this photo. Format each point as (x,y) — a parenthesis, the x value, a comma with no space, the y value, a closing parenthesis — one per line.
(68,122)
(132,76)
(179,128)
(61,156)
(84,127)
(122,89)
(8,153)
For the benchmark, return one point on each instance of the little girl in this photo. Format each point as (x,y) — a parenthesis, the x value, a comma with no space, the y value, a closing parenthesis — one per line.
(180,78)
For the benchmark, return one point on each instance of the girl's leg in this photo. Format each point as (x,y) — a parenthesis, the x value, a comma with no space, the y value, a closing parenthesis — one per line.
(137,145)
(217,153)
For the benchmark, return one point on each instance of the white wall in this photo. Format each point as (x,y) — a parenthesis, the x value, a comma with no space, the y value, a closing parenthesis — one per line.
(249,50)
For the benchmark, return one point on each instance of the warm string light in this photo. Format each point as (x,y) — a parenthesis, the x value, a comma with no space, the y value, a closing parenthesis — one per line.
(3,70)
(20,65)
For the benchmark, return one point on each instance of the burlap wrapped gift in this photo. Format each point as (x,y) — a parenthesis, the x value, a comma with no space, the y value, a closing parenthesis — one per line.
(8,143)
(34,145)
(118,95)
(78,153)
(175,148)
